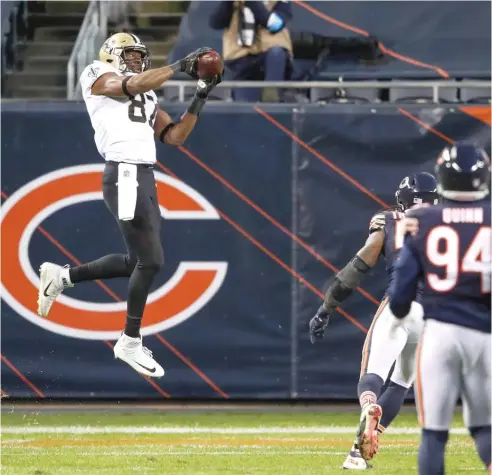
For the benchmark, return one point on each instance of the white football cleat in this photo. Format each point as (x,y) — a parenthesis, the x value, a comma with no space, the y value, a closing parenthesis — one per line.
(131,351)
(53,280)
(354,460)
(368,436)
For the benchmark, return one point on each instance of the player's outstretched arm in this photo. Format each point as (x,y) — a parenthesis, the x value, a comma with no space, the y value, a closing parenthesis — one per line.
(346,281)
(352,274)
(113,85)
(176,133)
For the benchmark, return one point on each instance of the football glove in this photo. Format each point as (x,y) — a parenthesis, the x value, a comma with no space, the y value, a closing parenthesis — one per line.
(318,324)
(204,86)
(189,64)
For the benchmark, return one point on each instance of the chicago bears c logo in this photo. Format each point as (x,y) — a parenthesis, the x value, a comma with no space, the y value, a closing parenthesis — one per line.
(191,287)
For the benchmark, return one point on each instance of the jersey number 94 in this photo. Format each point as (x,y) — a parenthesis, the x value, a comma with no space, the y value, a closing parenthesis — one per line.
(443,250)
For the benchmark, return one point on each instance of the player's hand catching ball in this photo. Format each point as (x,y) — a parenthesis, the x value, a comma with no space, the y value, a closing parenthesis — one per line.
(318,324)
(189,64)
(204,86)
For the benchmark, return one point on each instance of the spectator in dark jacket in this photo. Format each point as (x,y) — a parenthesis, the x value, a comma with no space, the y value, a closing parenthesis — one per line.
(256,42)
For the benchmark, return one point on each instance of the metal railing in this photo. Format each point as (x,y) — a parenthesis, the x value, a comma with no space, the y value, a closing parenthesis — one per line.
(183,86)
(92,34)
(89,40)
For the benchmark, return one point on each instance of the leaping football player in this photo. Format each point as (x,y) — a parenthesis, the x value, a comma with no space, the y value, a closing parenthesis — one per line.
(118,90)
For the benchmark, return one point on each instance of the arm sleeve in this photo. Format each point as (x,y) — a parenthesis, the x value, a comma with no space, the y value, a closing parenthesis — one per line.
(284,9)
(221,16)
(92,73)
(408,271)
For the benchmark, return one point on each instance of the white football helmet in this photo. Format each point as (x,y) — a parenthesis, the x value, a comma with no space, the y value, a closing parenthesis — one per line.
(114,52)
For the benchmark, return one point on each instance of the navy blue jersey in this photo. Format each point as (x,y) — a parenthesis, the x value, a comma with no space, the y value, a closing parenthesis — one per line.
(451,254)
(388,222)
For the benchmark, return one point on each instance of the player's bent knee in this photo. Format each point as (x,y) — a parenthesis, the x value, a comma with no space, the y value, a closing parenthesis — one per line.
(154,261)
(131,262)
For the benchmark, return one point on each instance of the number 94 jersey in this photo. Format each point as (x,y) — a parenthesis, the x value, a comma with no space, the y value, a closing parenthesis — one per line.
(453,246)
(123,127)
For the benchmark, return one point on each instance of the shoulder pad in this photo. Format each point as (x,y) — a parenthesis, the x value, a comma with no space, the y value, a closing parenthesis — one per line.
(377,223)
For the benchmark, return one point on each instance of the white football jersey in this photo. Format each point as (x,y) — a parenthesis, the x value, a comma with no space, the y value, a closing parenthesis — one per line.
(123,128)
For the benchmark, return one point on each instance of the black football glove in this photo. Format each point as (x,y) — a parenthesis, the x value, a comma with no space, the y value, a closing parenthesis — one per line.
(318,324)
(189,64)
(204,86)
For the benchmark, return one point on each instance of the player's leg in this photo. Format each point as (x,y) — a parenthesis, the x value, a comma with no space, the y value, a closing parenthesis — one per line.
(404,372)
(437,387)
(402,378)
(476,351)
(380,350)
(55,278)
(143,237)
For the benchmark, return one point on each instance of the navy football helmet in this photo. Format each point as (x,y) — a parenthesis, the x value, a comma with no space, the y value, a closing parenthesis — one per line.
(463,172)
(415,189)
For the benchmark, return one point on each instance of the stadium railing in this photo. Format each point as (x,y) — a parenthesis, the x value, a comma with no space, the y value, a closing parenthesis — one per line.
(92,33)
(182,86)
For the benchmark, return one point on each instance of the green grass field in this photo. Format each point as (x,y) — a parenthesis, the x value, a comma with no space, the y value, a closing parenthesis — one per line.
(209,444)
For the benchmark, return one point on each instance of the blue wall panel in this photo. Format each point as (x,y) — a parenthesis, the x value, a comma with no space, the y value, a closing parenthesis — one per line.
(250,339)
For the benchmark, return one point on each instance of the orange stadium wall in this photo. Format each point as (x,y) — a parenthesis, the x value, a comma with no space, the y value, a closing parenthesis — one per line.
(261,207)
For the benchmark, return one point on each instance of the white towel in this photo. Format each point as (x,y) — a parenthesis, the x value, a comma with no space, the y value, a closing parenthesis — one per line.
(127,191)
(247,26)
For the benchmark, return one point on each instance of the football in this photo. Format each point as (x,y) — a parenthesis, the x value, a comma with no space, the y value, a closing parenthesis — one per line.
(209,65)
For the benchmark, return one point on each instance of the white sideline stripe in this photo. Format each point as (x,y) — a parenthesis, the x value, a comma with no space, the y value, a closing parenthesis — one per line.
(185,452)
(203,430)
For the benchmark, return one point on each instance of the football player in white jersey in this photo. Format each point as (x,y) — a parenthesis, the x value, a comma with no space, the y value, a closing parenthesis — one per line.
(124,112)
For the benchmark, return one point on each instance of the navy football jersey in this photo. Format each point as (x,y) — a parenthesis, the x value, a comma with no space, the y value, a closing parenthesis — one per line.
(387,222)
(453,246)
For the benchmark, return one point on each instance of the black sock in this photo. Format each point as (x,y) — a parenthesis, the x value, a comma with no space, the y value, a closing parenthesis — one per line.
(370,382)
(132,327)
(391,401)
(431,453)
(107,267)
(138,291)
(482,441)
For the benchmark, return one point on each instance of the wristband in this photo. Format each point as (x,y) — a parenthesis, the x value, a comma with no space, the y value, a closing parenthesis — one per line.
(178,66)
(197,105)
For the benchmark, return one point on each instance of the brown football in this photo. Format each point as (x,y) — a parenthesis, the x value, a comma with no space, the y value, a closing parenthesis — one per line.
(209,65)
